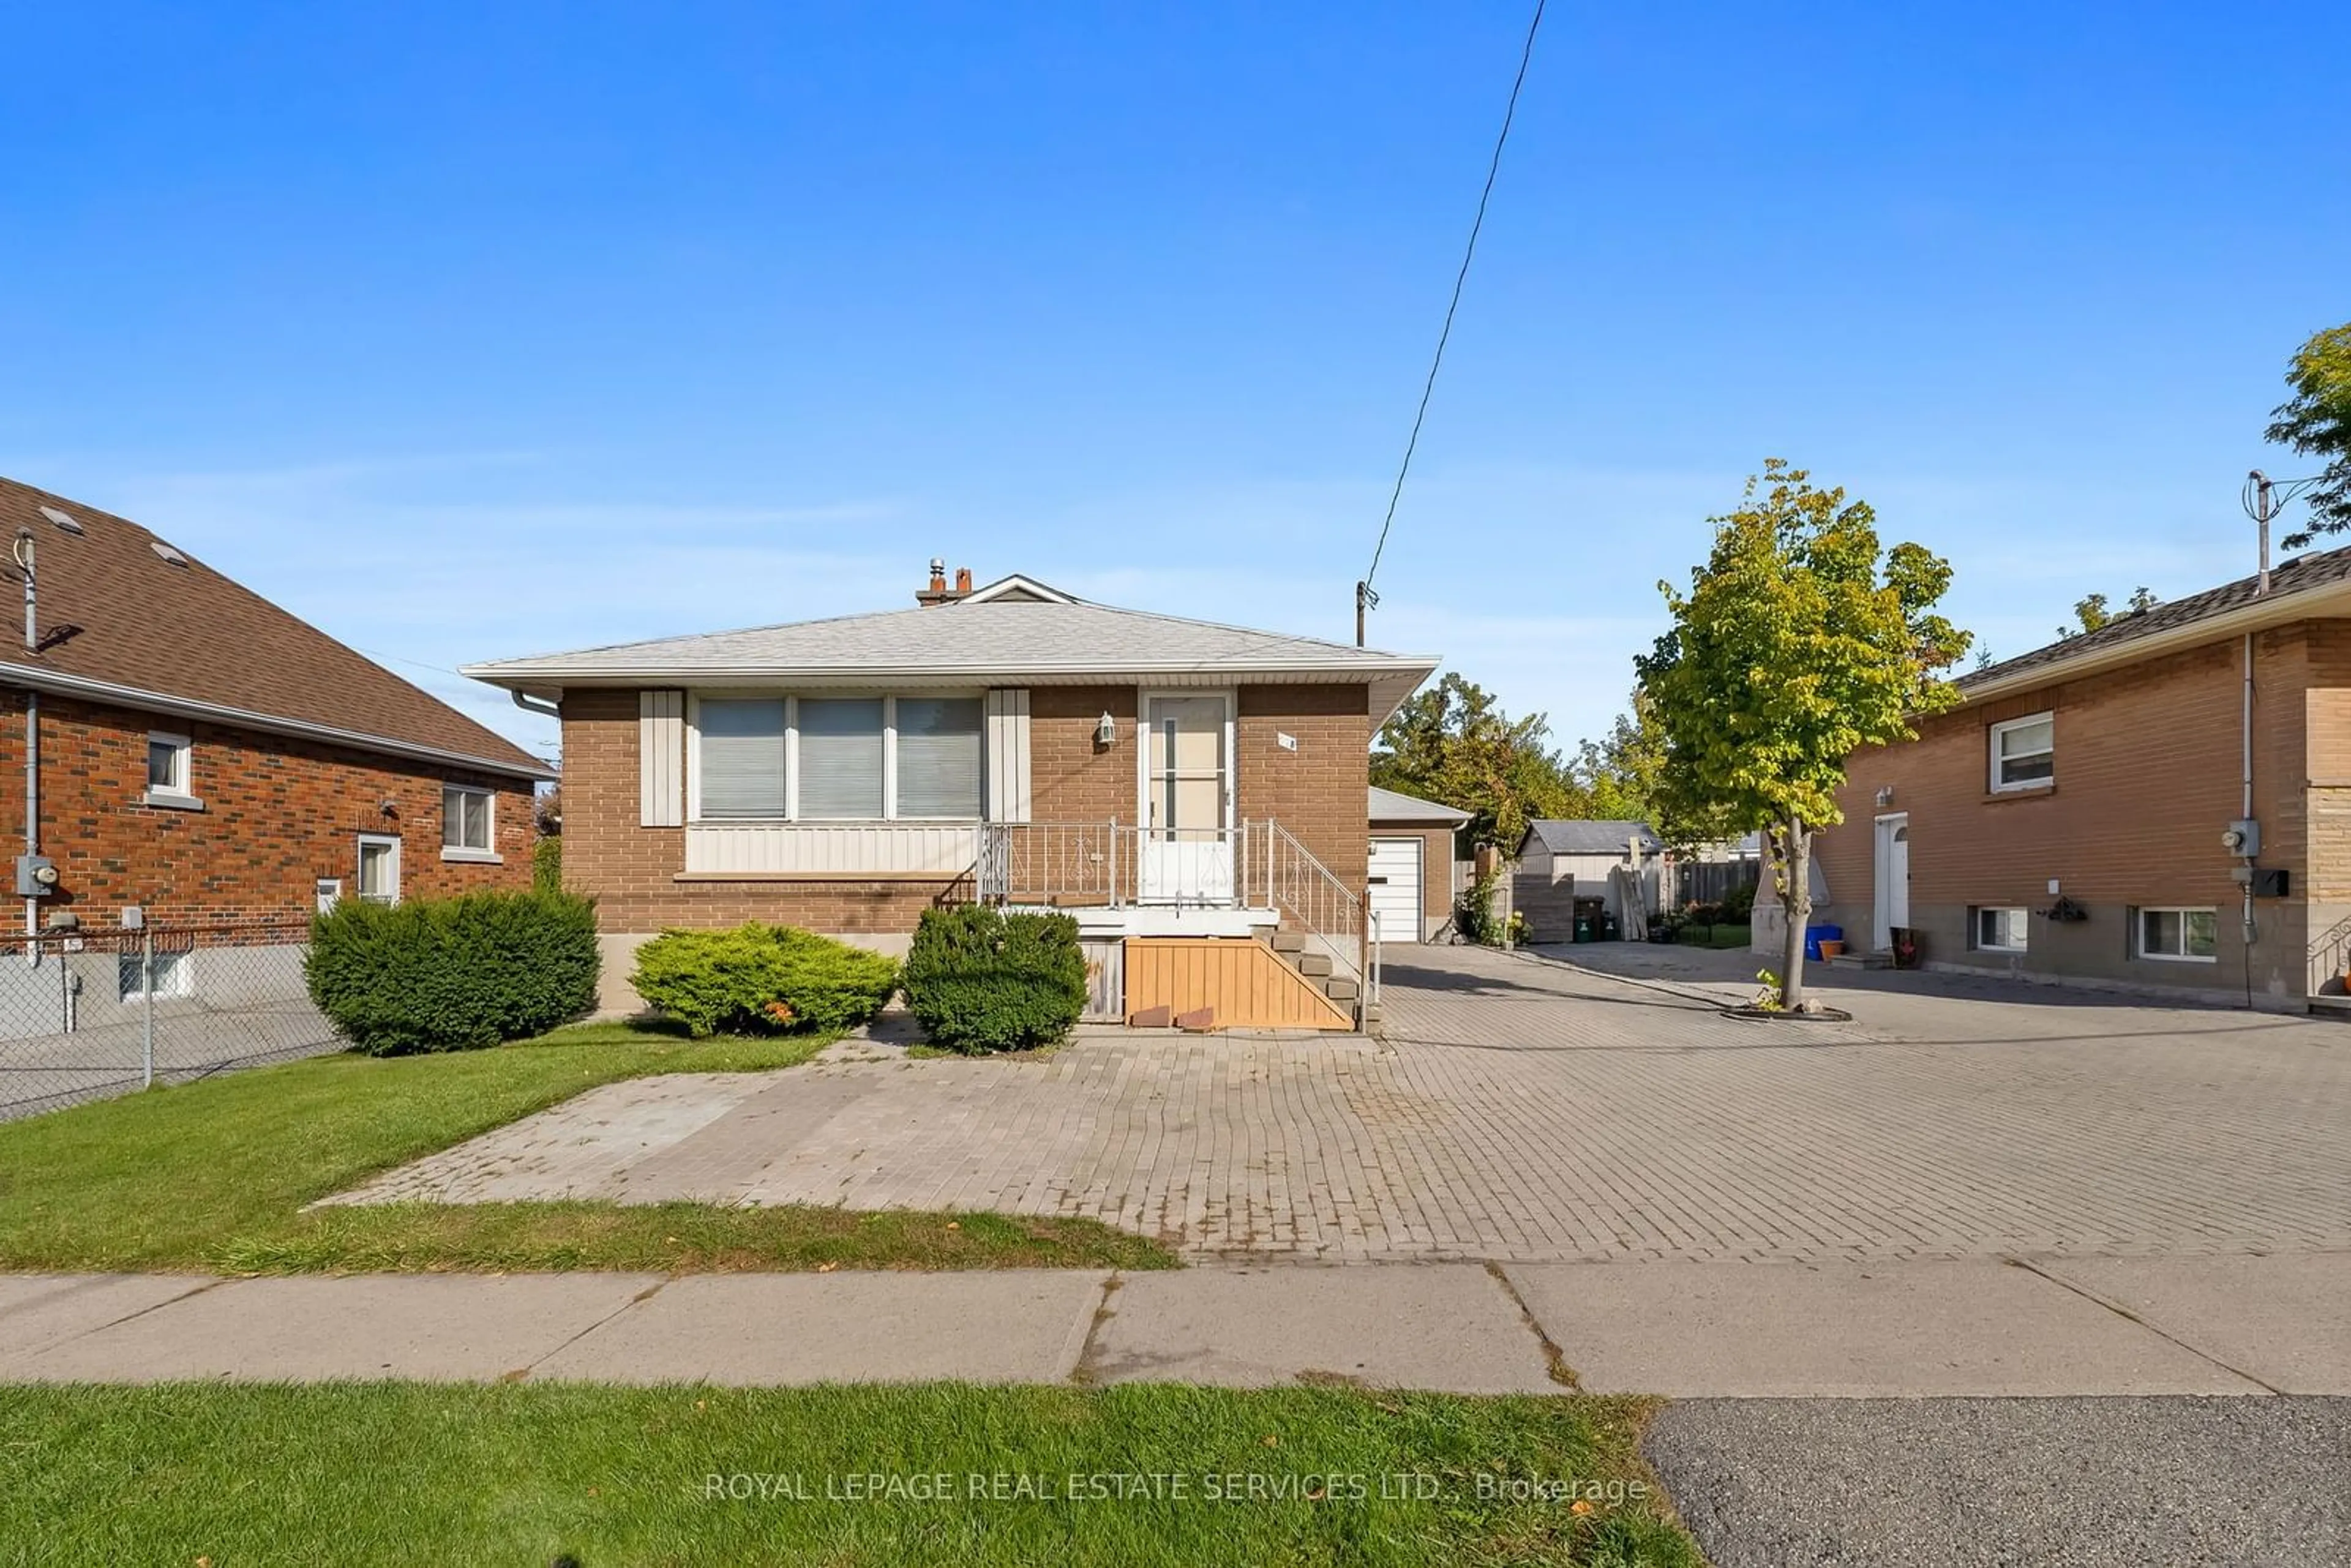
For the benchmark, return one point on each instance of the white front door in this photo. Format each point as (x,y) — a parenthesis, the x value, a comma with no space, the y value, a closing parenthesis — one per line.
(1187,846)
(1892,903)
(1396,888)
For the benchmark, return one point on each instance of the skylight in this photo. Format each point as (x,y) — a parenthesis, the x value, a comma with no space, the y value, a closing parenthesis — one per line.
(65,521)
(169,554)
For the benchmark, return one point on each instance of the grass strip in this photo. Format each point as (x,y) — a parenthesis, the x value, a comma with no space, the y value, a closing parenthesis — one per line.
(1134,1475)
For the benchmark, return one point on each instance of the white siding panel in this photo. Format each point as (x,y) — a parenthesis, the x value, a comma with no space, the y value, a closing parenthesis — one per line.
(1008,755)
(859,849)
(661,759)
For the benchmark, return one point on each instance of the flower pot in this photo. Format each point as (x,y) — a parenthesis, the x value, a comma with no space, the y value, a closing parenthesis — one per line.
(1830,949)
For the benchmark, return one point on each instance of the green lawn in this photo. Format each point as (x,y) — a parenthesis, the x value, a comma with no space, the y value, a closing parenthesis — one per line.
(410,1473)
(212,1175)
(1738,935)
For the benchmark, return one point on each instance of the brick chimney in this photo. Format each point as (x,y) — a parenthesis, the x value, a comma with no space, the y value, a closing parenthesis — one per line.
(938,593)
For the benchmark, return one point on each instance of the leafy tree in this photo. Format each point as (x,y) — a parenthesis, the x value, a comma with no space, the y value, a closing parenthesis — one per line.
(1798,644)
(1617,776)
(2316,422)
(1453,743)
(2090,611)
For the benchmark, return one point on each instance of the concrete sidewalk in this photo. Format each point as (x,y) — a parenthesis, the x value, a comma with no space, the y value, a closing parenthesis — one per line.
(2243,1325)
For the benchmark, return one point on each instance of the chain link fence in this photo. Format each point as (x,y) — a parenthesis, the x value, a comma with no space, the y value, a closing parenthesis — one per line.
(87,1014)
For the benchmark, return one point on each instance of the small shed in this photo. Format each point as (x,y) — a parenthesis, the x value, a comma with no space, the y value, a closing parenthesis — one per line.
(1414,872)
(1565,861)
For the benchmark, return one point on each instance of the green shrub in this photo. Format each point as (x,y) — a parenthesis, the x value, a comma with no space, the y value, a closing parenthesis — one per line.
(1738,905)
(452,973)
(1474,918)
(761,979)
(546,864)
(978,979)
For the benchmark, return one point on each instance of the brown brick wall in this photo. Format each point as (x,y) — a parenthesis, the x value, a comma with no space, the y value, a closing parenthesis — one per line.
(1317,791)
(2148,776)
(279,813)
(1072,779)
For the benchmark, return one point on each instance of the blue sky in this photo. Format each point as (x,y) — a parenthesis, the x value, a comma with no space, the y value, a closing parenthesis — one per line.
(468,331)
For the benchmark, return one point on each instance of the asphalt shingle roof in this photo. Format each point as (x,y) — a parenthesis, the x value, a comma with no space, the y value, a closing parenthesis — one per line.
(2301,572)
(1586,836)
(183,630)
(1003,638)
(1391,806)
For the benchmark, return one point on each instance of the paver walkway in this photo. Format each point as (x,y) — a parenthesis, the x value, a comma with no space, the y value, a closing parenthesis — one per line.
(1520,1109)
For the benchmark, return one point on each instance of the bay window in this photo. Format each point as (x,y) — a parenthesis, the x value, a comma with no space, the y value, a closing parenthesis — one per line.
(837,758)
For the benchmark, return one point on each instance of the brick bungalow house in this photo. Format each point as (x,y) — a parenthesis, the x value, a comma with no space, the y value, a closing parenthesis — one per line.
(201,756)
(1195,794)
(2163,802)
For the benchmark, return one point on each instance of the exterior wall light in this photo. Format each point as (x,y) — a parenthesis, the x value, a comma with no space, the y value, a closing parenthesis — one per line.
(1106,731)
(1884,796)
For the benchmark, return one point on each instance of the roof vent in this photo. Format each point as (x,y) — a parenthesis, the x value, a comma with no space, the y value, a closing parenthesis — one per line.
(65,521)
(168,553)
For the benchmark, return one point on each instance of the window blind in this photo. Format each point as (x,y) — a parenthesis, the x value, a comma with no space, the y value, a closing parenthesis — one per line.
(840,759)
(742,758)
(939,751)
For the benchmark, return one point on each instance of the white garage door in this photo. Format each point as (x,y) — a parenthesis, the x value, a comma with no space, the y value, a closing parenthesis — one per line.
(1396,899)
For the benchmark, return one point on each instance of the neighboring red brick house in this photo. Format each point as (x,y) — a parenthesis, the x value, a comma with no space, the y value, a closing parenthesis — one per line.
(202,755)
(1164,779)
(2078,814)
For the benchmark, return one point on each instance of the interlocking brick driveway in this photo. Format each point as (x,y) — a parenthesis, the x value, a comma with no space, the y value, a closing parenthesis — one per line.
(1521,1109)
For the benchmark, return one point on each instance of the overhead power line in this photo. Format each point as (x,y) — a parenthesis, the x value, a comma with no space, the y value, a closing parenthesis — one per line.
(1364,597)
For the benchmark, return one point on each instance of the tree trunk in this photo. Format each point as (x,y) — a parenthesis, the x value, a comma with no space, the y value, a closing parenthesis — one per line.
(1795,846)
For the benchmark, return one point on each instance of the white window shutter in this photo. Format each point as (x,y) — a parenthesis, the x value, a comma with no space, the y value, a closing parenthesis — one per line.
(661,759)
(1008,755)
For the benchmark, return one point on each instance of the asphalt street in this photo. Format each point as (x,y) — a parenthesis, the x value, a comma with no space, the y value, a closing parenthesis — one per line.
(2108,1482)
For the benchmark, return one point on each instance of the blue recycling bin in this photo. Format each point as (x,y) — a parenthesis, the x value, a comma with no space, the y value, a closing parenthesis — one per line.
(1815,934)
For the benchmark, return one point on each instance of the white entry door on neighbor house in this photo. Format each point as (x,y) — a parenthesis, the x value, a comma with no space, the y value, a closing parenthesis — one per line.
(1187,849)
(1892,900)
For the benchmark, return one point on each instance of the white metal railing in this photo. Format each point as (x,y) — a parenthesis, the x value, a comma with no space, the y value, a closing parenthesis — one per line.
(1326,911)
(1115,864)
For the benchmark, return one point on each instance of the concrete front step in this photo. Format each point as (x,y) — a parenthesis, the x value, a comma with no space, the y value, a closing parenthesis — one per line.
(1313,966)
(1341,990)
(1861,961)
(1288,942)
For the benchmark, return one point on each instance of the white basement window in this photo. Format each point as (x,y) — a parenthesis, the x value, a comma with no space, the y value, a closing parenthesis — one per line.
(469,823)
(174,975)
(2179,936)
(2024,753)
(837,759)
(170,772)
(2000,930)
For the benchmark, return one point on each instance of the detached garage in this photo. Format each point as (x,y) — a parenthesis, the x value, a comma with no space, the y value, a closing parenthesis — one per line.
(1413,875)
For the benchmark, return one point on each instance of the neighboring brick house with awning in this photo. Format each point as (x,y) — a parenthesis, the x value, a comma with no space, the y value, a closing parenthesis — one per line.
(2165,802)
(201,754)
(1166,780)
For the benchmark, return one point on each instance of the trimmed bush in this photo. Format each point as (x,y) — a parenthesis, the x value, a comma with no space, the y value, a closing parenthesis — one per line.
(978,979)
(761,979)
(452,973)
(546,864)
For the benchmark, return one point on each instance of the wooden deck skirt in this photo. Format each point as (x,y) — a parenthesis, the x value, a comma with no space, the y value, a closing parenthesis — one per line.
(1242,981)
